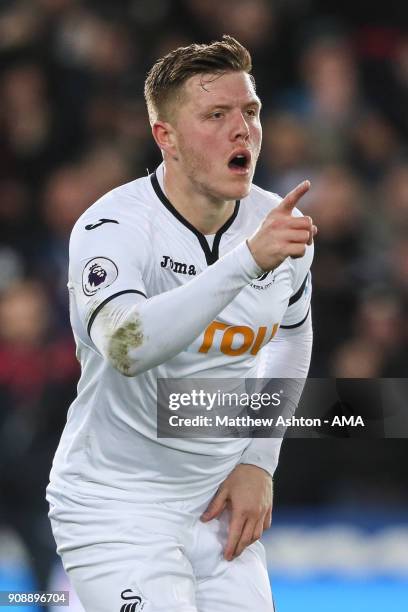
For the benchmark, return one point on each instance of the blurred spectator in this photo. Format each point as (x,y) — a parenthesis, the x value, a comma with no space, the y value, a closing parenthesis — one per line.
(255,23)
(29,344)
(329,98)
(394,199)
(20,25)
(87,39)
(379,319)
(329,71)
(251,21)
(398,261)
(337,207)
(26,112)
(38,372)
(374,146)
(357,358)
(377,339)
(68,192)
(28,124)
(15,214)
(287,156)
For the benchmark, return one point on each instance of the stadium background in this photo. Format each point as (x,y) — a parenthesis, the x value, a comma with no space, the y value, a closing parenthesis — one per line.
(334,84)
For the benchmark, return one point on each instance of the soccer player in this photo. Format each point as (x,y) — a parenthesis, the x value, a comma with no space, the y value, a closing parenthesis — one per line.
(188,272)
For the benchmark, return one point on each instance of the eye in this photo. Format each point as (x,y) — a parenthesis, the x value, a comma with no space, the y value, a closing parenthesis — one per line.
(217,115)
(252,112)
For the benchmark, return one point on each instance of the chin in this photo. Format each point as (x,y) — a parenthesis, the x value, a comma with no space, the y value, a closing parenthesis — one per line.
(236,191)
(240,192)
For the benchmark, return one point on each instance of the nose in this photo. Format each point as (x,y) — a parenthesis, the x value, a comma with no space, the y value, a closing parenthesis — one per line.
(239,128)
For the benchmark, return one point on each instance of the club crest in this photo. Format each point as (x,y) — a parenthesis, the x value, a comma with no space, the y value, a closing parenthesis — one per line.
(136,603)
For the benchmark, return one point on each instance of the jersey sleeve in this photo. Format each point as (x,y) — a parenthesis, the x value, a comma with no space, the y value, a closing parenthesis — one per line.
(299,302)
(107,260)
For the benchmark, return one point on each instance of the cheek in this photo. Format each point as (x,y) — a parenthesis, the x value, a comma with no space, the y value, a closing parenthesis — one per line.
(257,134)
(199,149)
(206,142)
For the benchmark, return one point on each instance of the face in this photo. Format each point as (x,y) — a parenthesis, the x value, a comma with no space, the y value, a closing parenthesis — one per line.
(217,134)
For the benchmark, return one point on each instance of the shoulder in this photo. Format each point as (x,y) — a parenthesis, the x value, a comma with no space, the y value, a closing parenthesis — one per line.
(127,207)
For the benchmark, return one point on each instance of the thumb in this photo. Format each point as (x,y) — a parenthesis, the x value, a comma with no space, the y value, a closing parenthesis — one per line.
(216,506)
(291,199)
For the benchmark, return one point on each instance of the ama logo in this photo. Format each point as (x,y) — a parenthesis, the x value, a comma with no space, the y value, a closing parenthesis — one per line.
(135,602)
(98,273)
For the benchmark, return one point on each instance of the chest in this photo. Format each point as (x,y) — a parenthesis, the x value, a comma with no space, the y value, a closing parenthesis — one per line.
(248,322)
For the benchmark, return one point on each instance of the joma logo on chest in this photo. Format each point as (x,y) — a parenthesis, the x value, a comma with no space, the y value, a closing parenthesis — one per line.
(177,266)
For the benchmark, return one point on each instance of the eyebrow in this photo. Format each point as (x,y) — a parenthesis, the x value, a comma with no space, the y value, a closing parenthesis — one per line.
(253,102)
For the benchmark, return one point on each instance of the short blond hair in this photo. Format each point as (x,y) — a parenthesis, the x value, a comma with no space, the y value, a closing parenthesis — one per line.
(170,72)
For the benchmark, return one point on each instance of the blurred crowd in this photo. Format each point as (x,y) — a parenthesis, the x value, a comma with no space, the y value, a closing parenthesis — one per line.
(73,125)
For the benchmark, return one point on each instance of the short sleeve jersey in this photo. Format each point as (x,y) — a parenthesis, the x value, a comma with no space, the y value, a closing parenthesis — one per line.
(133,240)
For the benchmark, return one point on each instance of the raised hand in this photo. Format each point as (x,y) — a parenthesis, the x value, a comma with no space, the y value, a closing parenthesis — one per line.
(281,235)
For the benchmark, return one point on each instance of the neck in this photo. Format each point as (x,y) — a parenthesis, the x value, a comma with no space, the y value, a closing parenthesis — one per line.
(205,213)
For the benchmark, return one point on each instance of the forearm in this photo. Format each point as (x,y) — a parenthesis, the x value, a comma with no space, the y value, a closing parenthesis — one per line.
(140,336)
(287,356)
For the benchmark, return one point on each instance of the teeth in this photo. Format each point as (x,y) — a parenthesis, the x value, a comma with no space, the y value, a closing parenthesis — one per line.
(240,156)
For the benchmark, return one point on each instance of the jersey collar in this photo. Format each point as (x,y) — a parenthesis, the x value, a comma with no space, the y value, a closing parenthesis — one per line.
(211,254)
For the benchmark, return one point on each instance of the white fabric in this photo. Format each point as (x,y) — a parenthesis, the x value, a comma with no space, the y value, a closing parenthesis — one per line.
(113,559)
(125,242)
(222,282)
(287,356)
(276,361)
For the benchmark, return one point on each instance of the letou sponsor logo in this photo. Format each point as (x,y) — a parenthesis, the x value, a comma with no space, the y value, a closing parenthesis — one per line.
(235,340)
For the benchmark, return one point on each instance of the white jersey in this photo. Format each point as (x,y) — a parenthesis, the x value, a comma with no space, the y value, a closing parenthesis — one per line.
(133,241)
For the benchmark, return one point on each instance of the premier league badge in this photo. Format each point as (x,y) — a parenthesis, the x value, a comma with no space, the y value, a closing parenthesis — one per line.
(98,273)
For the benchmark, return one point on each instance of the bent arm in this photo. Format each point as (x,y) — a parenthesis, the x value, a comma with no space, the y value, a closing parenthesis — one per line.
(136,334)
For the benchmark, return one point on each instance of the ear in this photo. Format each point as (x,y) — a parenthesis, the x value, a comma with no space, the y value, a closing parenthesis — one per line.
(165,137)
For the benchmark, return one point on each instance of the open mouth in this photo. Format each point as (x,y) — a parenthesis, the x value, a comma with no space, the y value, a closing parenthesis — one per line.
(240,161)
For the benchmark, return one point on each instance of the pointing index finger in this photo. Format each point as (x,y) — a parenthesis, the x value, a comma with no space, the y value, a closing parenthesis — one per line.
(292,198)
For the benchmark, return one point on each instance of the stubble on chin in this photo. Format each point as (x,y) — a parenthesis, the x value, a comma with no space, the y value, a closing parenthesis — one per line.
(208,180)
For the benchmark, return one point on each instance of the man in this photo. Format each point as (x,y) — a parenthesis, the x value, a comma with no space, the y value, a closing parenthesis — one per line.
(186,273)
